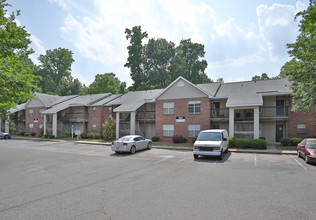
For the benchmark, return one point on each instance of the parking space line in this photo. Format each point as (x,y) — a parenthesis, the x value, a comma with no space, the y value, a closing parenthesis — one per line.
(298,162)
(255,160)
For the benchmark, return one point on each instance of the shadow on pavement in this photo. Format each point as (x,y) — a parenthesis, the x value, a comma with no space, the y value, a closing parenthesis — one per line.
(213,159)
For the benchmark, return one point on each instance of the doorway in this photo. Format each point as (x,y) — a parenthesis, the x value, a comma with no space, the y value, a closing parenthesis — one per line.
(279,131)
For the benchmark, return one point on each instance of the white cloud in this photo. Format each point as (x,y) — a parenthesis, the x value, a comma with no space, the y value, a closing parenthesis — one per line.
(37,46)
(82,79)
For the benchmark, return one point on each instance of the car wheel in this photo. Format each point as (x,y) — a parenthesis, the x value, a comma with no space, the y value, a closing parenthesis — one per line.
(133,150)
(117,152)
(149,146)
(6,137)
(306,159)
(298,154)
(221,156)
(196,156)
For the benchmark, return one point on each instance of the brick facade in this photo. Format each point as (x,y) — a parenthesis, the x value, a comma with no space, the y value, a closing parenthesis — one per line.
(295,118)
(180,110)
(97,117)
(36,120)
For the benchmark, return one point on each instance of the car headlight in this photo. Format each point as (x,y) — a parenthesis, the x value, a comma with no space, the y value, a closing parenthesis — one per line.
(312,155)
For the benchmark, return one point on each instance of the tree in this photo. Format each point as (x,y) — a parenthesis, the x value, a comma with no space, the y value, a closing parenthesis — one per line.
(71,86)
(301,69)
(106,82)
(17,83)
(109,129)
(263,76)
(56,65)
(158,55)
(135,58)
(220,80)
(188,62)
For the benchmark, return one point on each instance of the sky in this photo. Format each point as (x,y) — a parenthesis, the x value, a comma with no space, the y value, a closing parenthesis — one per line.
(241,38)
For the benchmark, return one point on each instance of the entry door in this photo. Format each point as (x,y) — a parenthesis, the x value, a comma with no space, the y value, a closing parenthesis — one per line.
(279,132)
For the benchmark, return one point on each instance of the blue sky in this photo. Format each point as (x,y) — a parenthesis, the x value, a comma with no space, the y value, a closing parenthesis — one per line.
(242,38)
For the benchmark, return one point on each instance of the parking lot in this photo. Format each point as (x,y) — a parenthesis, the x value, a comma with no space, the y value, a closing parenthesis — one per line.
(52,180)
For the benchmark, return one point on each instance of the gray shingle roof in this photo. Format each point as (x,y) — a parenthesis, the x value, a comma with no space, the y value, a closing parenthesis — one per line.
(106,100)
(46,99)
(84,100)
(18,108)
(210,88)
(133,100)
(251,92)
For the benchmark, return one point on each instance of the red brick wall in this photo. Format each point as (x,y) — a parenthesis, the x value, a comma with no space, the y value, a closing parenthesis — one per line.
(181,109)
(301,118)
(98,118)
(29,120)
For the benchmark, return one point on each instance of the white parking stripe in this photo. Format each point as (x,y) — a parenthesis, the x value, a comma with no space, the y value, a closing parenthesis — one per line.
(298,162)
(255,160)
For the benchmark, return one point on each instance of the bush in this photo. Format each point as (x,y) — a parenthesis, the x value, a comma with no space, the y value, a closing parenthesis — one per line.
(285,141)
(185,140)
(242,143)
(41,132)
(51,136)
(22,133)
(83,136)
(68,134)
(177,138)
(109,130)
(96,136)
(231,141)
(46,136)
(155,138)
(90,135)
(33,134)
(262,138)
(295,141)
(258,144)
(26,134)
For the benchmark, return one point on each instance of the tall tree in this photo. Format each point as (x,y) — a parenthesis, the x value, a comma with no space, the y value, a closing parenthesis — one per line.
(301,69)
(56,65)
(158,55)
(17,83)
(188,62)
(71,86)
(263,76)
(135,58)
(106,82)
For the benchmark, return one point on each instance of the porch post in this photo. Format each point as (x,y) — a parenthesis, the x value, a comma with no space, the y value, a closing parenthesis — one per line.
(117,125)
(133,121)
(6,127)
(231,122)
(44,124)
(256,123)
(55,124)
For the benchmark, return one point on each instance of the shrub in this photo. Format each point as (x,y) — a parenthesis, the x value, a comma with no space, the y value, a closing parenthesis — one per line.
(185,140)
(155,138)
(177,138)
(96,136)
(242,143)
(33,134)
(22,133)
(41,132)
(83,136)
(109,132)
(262,138)
(285,141)
(258,144)
(46,136)
(51,136)
(295,141)
(68,134)
(231,141)
(90,135)
(26,134)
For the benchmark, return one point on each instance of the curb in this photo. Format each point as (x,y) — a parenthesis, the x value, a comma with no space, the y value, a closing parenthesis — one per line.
(94,143)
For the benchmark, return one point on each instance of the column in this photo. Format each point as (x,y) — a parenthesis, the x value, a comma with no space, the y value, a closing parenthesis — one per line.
(0,124)
(6,127)
(256,123)
(117,125)
(55,124)
(133,122)
(44,124)
(231,122)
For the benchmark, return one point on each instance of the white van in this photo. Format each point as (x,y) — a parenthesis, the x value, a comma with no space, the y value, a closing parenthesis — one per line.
(211,143)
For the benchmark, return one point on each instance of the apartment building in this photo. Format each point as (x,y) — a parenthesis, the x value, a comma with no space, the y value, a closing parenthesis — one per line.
(250,109)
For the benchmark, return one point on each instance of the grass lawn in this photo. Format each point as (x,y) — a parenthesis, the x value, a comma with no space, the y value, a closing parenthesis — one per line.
(280,147)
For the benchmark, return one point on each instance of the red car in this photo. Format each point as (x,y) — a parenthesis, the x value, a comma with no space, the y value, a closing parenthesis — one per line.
(307,150)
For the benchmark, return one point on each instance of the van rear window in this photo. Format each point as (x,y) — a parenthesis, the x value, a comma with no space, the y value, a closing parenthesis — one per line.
(209,136)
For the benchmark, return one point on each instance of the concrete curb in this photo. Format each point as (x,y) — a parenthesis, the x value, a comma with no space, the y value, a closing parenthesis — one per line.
(37,139)
(94,143)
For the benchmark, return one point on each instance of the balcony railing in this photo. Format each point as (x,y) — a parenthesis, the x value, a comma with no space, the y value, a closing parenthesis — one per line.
(78,117)
(274,112)
(220,113)
(146,115)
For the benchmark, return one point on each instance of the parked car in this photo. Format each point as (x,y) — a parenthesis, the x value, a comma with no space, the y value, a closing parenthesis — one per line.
(307,150)
(4,135)
(131,143)
(211,143)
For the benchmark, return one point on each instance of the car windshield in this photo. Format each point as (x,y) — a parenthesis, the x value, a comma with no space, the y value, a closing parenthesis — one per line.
(125,138)
(209,136)
(312,144)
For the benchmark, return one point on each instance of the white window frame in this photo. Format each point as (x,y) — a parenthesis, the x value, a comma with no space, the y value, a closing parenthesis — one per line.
(40,112)
(31,113)
(40,126)
(168,130)
(31,127)
(110,109)
(94,109)
(194,107)
(194,130)
(168,108)
(301,128)
(94,127)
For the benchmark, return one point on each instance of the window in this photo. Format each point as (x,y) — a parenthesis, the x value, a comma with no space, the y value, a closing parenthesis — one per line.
(94,127)
(31,113)
(110,109)
(301,128)
(194,107)
(40,126)
(193,130)
(94,109)
(168,130)
(31,128)
(180,84)
(41,112)
(215,126)
(168,108)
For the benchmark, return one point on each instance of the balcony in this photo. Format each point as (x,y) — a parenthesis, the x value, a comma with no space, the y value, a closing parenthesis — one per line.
(272,113)
(75,117)
(146,116)
(220,114)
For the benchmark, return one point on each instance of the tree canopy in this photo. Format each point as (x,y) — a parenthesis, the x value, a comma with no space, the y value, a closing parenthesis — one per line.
(301,69)
(105,83)
(17,83)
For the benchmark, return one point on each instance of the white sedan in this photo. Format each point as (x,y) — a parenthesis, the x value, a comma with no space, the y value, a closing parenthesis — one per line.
(130,143)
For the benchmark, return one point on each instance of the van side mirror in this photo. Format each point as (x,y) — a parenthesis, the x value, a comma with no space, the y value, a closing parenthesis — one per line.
(224,139)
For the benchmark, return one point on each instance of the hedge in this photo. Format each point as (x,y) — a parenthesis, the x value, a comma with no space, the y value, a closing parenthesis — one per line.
(295,141)
(258,144)
(285,141)
(242,143)
(155,138)
(177,138)
(231,141)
